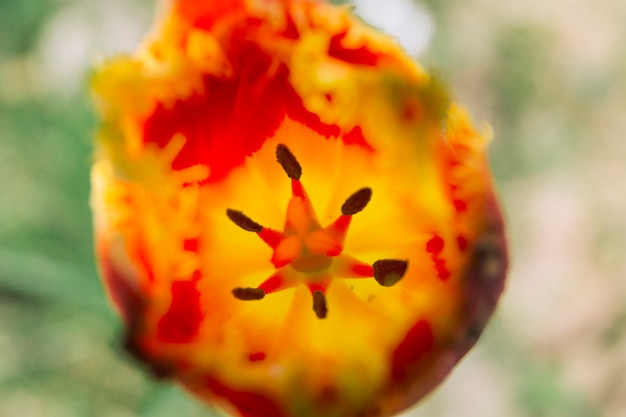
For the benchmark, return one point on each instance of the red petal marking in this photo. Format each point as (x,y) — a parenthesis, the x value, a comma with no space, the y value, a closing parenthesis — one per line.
(295,109)
(418,341)
(412,110)
(270,237)
(182,321)
(442,270)
(461,242)
(355,137)
(358,56)
(291,31)
(191,245)
(124,296)
(435,245)
(142,258)
(249,404)
(460,205)
(204,14)
(229,121)
(233,117)
(256,356)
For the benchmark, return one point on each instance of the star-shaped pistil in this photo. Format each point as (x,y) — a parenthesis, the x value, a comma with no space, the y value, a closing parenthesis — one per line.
(307,253)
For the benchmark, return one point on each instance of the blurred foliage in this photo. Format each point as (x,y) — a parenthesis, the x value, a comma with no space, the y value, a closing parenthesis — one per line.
(60,343)
(23,20)
(555,96)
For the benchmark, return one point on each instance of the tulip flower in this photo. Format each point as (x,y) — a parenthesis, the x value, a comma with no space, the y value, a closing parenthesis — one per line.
(291,215)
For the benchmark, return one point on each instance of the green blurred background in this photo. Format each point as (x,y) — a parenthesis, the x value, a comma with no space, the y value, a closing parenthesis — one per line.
(549,75)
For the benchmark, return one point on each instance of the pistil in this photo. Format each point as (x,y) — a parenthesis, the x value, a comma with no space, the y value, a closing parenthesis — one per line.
(305,252)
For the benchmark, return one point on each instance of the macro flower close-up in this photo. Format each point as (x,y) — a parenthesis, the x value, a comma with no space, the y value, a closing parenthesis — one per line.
(291,215)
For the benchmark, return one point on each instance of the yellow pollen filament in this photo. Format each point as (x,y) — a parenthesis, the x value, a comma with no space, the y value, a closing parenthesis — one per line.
(305,252)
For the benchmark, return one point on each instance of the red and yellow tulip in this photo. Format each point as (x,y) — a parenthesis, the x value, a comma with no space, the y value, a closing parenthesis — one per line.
(290,215)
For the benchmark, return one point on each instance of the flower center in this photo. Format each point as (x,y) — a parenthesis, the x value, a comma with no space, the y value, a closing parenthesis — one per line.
(307,253)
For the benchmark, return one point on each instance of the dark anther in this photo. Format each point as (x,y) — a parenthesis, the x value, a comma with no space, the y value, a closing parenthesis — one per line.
(290,164)
(248,294)
(319,304)
(356,202)
(387,272)
(243,221)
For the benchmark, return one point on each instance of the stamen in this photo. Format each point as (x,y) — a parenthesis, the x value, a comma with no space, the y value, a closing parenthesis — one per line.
(288,161)
(345,266)
(388,272)
(319,304)
(271,237)
(248,294)
(356,202)
(313,254)
(280,280)
(243,221)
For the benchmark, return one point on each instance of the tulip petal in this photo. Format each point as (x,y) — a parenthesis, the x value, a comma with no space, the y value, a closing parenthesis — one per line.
(290,215)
